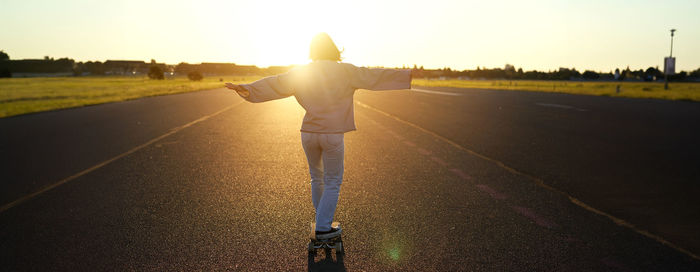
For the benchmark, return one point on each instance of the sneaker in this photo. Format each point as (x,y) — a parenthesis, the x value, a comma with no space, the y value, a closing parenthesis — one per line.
(334,232)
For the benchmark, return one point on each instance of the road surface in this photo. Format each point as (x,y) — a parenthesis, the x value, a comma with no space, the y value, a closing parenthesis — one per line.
(439,179)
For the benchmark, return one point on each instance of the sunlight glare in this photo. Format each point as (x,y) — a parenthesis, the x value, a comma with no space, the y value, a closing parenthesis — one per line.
(283,34)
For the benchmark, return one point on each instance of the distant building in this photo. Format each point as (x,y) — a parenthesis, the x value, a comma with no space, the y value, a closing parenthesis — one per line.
(131,67)
(38,67)
(125,67)
(216,69)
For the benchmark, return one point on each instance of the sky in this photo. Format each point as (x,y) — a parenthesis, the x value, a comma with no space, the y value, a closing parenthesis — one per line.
(533,35)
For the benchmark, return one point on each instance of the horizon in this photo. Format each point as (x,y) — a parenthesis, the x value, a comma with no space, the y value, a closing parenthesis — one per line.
(542,36)
(398,67)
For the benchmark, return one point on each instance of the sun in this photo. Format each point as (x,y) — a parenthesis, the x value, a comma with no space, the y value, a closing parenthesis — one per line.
(272,33)
(282,34)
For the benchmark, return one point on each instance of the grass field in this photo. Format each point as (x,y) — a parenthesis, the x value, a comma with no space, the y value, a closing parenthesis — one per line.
(27,95)
(677,91)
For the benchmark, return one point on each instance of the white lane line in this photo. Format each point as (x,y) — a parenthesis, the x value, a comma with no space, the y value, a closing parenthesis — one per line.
(439,160)
(567,107)
(436,92)
(539,182)
(539,220)
(460,173)
(100,165)
(423,151)
(493,193)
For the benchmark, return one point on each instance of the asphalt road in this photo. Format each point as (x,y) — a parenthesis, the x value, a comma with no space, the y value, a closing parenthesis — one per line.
(468,180)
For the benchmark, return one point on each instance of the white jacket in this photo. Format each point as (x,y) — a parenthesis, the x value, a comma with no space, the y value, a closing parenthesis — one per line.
(325,90)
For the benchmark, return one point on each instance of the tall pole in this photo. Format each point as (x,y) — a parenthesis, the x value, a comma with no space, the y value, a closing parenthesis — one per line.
(670,56)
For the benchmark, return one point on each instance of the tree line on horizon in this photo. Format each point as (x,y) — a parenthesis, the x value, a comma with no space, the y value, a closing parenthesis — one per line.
(156,70)
(510,73)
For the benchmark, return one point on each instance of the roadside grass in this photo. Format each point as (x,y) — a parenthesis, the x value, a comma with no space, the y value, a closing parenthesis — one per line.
(677,91)
(28,95)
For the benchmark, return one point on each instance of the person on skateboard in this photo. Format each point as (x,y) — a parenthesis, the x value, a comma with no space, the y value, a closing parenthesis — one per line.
(325,89)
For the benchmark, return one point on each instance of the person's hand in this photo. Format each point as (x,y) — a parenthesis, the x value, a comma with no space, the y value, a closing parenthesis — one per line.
(238,88)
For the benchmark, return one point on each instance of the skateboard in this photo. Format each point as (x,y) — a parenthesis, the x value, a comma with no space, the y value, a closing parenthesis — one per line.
(335,242)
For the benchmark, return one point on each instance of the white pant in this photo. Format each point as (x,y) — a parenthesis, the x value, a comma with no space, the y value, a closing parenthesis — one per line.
(324,152)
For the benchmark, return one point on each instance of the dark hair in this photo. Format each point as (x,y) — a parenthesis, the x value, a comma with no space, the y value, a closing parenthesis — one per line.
(323,48)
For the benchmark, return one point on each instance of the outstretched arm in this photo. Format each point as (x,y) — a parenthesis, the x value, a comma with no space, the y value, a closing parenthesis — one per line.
(381,79)
(266,89)
(240,90)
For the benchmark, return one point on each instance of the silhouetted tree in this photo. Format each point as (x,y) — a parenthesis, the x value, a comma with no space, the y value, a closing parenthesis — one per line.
(652,74)
(564,74)
(4,71)
(589,75)
(509,71)
(195,76)
(78,69)
(695,73)
(155,73)
(678,76)
(94,67)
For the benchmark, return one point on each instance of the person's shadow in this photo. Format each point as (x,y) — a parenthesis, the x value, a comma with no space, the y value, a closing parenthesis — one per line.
(327,263)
